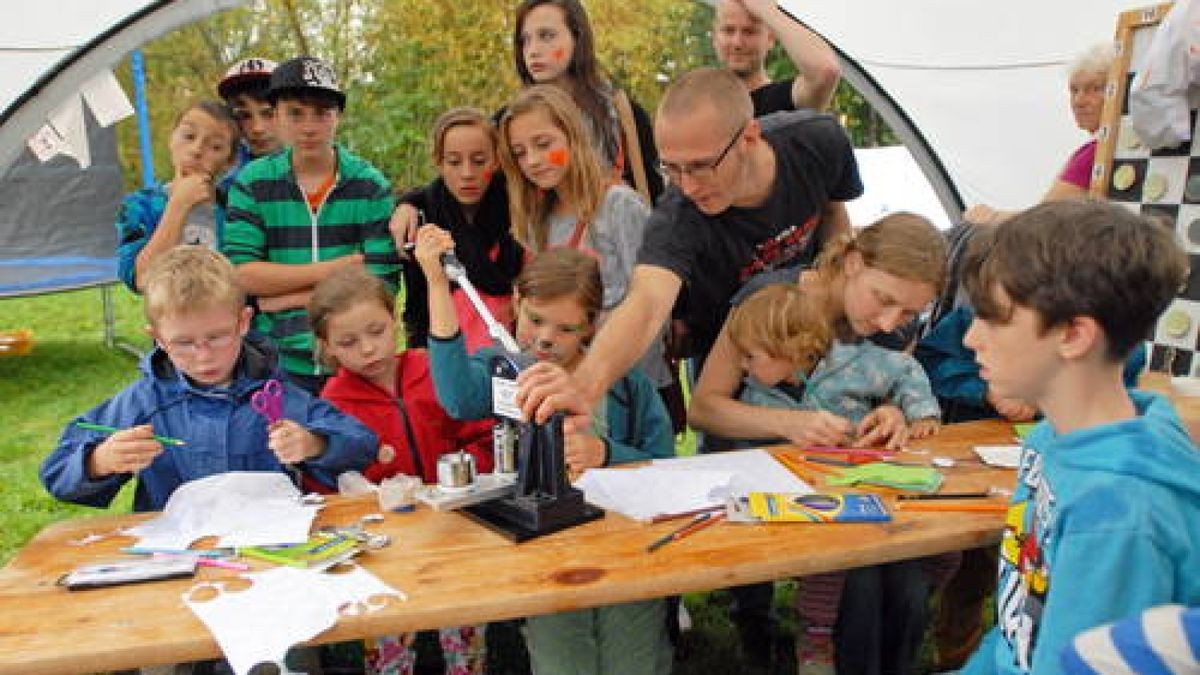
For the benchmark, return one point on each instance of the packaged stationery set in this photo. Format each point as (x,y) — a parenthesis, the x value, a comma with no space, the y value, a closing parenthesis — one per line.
(777,507)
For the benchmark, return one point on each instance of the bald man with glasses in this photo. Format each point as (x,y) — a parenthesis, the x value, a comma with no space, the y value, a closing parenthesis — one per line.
(747,196)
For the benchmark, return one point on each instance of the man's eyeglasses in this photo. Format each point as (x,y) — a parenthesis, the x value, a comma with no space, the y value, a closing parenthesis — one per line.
(699,170)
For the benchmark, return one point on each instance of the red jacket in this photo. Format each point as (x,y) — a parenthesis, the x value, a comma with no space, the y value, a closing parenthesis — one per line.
(414,424)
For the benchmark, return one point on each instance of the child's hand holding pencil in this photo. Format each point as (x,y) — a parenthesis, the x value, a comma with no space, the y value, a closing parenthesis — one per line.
(125,451)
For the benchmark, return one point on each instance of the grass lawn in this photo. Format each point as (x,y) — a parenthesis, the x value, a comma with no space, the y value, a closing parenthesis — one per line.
(69,371)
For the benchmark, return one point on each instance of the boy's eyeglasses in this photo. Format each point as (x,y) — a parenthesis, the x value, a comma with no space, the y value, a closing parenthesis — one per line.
(699,170)
(193,347)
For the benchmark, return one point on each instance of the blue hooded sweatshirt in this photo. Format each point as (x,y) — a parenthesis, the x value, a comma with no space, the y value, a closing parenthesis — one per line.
(1104,522)
(221,429)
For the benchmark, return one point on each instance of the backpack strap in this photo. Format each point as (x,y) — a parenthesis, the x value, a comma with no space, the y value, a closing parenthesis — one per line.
(629,131)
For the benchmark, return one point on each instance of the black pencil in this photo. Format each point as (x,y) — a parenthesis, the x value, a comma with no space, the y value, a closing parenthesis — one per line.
(945,495)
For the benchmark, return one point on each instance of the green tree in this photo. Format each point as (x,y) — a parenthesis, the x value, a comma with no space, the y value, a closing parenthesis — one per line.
(402,62)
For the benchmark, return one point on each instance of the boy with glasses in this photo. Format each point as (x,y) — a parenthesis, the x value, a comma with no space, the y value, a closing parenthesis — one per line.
(196,387)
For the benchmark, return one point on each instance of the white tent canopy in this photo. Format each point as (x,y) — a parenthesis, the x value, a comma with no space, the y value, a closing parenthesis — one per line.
(983,83)
(50,49)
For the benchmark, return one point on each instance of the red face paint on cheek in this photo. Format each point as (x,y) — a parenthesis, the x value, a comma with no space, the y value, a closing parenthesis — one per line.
(559,54)
(558,156)
(487,175)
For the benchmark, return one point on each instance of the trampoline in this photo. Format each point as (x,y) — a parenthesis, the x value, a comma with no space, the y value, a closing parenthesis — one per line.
(39,276)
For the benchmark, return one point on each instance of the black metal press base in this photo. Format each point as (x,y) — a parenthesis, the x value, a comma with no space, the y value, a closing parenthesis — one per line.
(520,519)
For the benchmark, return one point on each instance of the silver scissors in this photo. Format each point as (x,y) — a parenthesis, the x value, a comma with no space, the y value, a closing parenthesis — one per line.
(268,401)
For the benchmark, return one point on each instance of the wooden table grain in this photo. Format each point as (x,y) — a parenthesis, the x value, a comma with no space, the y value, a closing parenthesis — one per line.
(456,572)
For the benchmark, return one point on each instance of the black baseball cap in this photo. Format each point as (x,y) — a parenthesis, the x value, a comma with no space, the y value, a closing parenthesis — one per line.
(305,75)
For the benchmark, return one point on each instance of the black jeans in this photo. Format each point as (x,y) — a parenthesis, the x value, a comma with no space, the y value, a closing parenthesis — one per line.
(882,618)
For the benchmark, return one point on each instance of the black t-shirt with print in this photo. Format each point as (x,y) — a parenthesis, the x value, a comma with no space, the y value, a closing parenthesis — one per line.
(773,97)
(715,255)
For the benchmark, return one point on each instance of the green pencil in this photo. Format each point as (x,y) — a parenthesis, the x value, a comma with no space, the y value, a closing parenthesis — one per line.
(167,440)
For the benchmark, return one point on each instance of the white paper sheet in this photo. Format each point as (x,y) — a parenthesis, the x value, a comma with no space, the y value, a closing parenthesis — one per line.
(241,508)
(648,491)
(685,483)
(754,470)
(281,608)
(1001,456)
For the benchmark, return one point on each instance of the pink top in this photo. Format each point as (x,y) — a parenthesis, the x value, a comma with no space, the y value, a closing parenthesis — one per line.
(1078,170)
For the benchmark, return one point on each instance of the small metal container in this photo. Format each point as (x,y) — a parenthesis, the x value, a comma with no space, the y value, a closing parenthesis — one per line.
(456,470)
(504,448)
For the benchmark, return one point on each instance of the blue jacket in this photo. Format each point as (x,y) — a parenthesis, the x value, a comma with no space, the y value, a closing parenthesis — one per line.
(1104,522)
(136,221)
(954,373)
(221,428)
(636,425)
(852,380)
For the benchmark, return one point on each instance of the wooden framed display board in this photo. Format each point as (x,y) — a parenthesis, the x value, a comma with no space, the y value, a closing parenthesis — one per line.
(1163,183)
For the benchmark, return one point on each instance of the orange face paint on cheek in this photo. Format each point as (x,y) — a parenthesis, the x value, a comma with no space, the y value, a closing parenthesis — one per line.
(558,156)
(559,54)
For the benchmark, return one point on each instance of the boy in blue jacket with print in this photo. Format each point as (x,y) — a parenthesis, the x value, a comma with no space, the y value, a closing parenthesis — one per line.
(558,299)
(1105,518)
(196,386)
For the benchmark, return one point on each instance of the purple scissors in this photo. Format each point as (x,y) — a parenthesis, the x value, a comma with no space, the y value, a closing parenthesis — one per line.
(268,401)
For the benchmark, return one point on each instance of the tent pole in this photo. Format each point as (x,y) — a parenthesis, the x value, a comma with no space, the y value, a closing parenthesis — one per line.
(138,63)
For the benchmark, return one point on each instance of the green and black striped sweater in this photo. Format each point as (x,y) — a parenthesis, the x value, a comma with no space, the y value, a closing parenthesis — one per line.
(268,220)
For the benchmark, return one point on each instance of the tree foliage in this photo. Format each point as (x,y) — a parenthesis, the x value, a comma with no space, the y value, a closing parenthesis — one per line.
(402,62)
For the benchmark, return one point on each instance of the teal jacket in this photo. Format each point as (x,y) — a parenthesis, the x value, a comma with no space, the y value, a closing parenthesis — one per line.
(852,380)
(635,426)
(1104,522)
(268,220)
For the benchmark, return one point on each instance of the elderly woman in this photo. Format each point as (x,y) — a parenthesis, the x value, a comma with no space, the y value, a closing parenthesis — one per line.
(1086,77)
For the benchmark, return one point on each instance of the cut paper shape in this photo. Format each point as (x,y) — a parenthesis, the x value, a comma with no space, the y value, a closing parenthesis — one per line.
(65,132)
(69,122)
(106,99)
(46,143)
(281,608)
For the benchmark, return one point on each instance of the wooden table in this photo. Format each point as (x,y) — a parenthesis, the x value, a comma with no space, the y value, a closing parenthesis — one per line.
(457,572)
